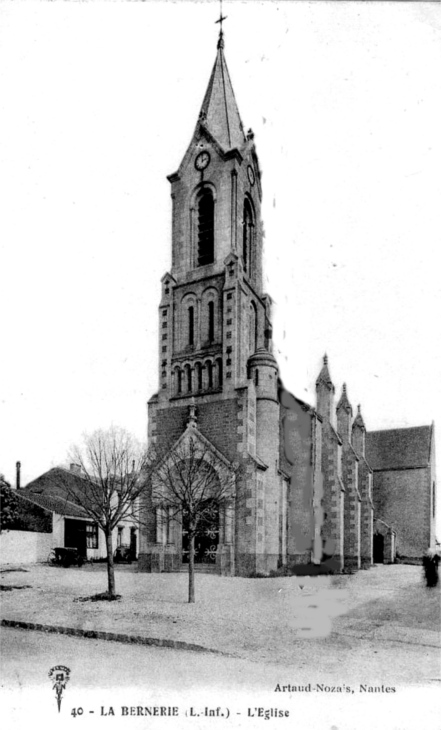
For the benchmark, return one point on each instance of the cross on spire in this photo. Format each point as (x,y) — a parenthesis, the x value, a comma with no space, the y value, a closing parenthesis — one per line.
(220,20)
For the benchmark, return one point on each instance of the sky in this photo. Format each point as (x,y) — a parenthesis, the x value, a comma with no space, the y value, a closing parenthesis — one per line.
(98,103)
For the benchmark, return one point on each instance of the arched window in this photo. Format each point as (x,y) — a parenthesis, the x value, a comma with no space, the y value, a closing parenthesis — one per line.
(191,326)
(210,321)
(188,377)
(219,371)
(209,366)
(199,376)
(252,329)
(205,212)
(247,235)
(178,380)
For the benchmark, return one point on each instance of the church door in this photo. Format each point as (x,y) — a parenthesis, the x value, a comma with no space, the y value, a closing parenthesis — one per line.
(378,548)
(207,537)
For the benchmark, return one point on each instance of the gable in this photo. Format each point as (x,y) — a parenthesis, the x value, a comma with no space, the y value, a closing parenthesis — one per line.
(399,448)
(192,434)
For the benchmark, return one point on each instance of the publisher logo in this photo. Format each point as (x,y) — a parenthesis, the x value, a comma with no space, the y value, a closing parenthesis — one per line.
(59,676)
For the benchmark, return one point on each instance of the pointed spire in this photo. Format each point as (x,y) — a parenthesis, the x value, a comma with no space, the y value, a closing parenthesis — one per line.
(358,420)
(219,112)
(344,417)
(359,433)
(344,401)
(325,393)
(324,376)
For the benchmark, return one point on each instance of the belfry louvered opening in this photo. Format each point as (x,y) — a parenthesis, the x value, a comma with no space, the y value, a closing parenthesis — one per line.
(205,228)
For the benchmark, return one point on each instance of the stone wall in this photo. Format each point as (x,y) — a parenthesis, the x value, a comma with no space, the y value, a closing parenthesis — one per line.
(403,500)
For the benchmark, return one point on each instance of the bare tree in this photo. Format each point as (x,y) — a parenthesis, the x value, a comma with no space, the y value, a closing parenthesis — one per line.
(114,467)
(188,484)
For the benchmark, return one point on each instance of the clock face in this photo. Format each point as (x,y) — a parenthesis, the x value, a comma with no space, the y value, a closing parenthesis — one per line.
(250,174)
(202,160)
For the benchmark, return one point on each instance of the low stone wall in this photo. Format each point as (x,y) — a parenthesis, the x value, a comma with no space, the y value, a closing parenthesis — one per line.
(17,546)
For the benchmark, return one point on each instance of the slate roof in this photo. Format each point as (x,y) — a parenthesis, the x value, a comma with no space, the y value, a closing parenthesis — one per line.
(399,448)
(52,489)
(219,112)
(54,504)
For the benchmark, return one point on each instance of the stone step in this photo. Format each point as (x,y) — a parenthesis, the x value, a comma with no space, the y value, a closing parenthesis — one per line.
(199,568)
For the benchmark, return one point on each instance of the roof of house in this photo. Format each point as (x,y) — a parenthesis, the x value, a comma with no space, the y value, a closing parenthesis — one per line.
(399,448)
(55,490)
(53,503)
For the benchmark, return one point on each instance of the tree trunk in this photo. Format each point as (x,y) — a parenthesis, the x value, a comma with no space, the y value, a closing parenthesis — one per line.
(110,566)
(191,571)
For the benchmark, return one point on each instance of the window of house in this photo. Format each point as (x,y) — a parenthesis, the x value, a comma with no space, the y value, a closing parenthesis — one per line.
(179,380)
(92,535)
(205,228)
(160,523)
(170,515)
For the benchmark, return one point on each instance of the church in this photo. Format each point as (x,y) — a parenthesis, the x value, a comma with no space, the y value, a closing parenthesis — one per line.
(305,486)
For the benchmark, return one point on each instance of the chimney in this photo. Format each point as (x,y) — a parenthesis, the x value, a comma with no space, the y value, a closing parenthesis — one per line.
(75,469)
(17,474)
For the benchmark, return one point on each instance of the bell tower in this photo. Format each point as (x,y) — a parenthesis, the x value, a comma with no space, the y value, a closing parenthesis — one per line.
(216,367)
(213,315)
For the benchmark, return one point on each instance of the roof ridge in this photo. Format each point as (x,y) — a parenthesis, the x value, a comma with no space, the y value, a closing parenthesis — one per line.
(398,428)
(222,64)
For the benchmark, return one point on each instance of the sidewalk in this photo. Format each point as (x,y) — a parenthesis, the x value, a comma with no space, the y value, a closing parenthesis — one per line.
(368,619)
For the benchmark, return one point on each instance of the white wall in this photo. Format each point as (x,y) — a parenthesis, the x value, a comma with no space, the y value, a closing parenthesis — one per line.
(58,530)
(17,546)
